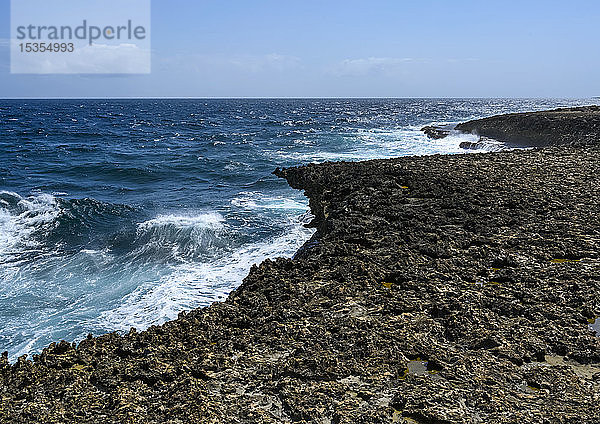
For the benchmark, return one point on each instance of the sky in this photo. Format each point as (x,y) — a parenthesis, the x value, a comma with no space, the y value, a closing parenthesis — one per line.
(374,48)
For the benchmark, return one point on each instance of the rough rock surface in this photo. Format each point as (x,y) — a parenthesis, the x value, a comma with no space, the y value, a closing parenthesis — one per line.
(437,132)
(482,143)
(441,289)
(573,126)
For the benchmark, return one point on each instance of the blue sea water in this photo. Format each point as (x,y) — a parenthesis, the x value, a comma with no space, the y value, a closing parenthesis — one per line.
(121,213)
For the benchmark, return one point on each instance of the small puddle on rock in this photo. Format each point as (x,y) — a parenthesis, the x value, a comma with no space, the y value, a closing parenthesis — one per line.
(564,260)
(586,372)
(417,367)
(398,418)
(420,368)
(594,325)
(528,388)
(583,371)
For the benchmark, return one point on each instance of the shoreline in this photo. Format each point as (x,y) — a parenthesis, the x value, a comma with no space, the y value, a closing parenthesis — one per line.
(576,126)
(437,289)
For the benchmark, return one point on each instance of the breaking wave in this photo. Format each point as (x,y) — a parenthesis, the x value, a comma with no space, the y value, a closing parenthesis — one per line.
(140,274)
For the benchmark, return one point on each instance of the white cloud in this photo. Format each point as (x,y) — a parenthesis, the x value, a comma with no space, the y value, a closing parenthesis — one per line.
(371,65)
(89,59)
(272,62)
(259,63)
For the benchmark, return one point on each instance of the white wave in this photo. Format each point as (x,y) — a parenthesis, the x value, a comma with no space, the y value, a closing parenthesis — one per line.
(191,285)
(412,141)
(454,140)
(206,220)
(21,217)
(25,348)
(179,237)
(257,200)
(364,144)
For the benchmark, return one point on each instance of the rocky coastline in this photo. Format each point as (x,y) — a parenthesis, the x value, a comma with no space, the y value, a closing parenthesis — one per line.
(565,126)
(438,289)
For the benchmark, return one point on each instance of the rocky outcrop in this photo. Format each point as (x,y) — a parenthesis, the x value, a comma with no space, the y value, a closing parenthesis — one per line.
(483,143)
(471,145)
(436,132)
(441,289)
(574,126)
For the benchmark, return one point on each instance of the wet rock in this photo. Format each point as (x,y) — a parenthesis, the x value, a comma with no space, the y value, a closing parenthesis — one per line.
(437,132)
(472,145)
(485,144)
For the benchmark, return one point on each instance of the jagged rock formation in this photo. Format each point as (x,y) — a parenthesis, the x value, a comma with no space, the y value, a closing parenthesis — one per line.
(436,132)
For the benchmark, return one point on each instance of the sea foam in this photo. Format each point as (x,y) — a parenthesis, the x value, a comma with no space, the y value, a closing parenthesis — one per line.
(21,218)
(198,283)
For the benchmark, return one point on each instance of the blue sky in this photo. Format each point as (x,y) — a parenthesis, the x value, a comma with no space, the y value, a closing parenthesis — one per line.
(376,48)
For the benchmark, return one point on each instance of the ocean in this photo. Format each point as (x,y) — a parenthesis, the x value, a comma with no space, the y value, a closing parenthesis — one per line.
(122,213)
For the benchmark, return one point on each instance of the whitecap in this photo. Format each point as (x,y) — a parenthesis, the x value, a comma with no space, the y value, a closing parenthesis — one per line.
(382,143)
(256,200)
(194,284)
(205,220)
(21,218)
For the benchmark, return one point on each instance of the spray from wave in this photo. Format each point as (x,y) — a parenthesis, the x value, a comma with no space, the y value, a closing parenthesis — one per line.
(23,221)
(142,273)
(189,284)
(379,143)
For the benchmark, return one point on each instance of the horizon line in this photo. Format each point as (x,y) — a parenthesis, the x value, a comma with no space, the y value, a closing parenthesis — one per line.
(284,98)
